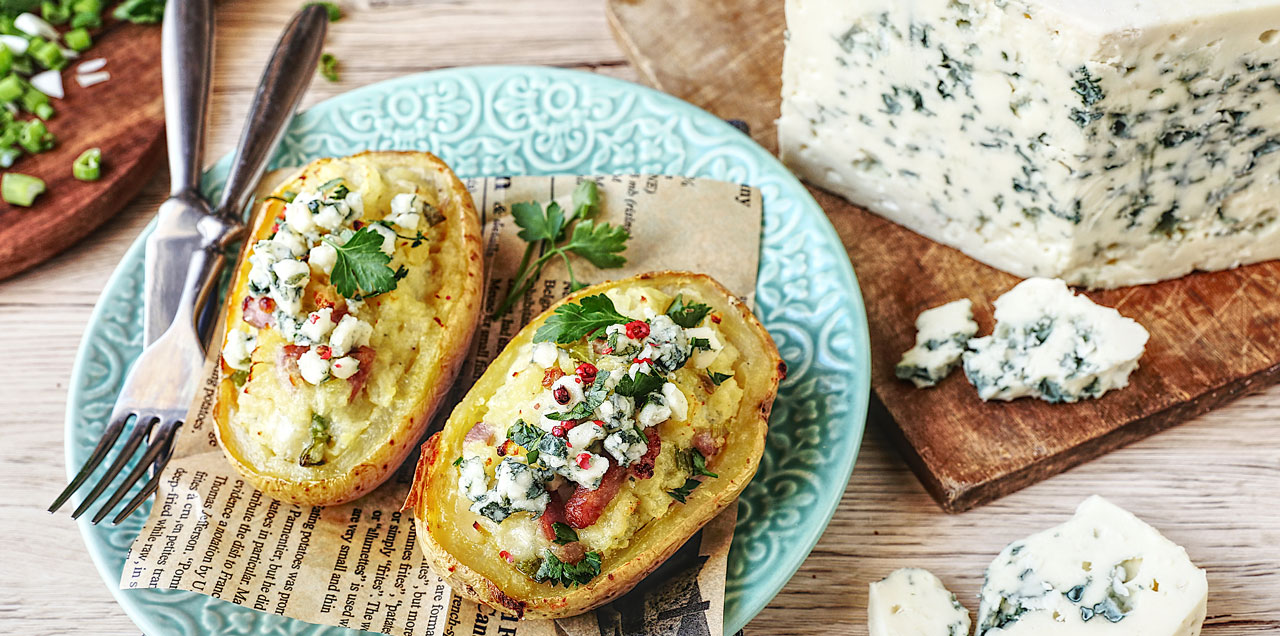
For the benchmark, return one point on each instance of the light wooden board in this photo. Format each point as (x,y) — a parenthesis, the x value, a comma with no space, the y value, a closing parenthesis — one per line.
(123,116)
(1214,336)
(1209,484)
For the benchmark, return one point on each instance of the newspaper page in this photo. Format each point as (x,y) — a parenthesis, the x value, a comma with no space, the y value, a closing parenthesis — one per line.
(358,565)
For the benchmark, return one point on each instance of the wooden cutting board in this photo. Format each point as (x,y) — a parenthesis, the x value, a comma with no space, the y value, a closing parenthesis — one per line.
(123,116)
(1214,336)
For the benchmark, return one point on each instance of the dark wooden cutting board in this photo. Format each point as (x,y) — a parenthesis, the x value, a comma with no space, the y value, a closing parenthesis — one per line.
(1214,336)
(123,116)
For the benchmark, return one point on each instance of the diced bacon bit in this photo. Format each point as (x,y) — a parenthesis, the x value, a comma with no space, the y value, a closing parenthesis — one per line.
(506,448)
(253,312)
(481,432)
(365,355)
(715,318)
(637,330)
(289,355)
(476,525)
(552,515)
(572,552)
(357,224)
(587,372)
(323,300)
(549,377)
(643,467)
(324,352)
(507,555)
(584,507)
(706,444)
(584,460)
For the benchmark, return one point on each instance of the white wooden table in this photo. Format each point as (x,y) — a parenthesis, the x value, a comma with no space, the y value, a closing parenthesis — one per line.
(1212,485)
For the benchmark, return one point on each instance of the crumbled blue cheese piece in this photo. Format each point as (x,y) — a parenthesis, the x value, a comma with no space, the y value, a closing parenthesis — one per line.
(519,487)
(702,358)
(406,210)
(675,400)
(667,345)
(941,336)
(1104,142)
(318,325)
(344,367)
(913,602)
(545,354)
(388,246)
(1054,345)
(588,477)
(584,435)
(654,412)
(313,368)
(472,480)
(349,334)
(323,257)
(1102,572)
(626,446)
(237,352)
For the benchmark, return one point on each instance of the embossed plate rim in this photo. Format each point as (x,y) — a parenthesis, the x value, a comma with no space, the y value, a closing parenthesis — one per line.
(749,601)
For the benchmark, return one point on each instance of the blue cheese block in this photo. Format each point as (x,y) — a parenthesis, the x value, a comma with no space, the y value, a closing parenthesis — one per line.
(1054,345)
(941,335)
(1104,142)
(913,602)
(1103,572)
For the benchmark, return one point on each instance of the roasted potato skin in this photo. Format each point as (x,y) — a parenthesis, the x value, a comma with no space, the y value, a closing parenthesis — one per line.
(375,459)
(435,483)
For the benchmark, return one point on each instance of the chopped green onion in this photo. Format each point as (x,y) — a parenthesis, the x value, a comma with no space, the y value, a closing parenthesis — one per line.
(43,111)
(48,54)
(78,39)
(140,11)
(335,12)
(32,99)
(55,12)
(20,189)
(11,88)
(88,166)
(34,137)
(329,67)
(6,59)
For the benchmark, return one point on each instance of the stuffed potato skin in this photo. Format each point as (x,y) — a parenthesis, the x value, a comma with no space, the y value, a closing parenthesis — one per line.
(453,253)
(473,569)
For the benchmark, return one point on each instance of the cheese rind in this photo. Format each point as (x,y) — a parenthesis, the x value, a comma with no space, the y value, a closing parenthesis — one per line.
(941,335)
(1103,572)
(1106,143)
(1052,344)
(913,602)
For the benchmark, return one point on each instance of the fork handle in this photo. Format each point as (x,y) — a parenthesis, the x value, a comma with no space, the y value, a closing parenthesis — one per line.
(288,73)
(187,65)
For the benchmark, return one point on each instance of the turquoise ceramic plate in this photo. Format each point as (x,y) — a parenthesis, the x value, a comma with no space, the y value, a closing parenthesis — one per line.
(507,120)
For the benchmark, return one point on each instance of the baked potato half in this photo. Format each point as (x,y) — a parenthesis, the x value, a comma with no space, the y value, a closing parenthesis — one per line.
(348,316)
(610,429)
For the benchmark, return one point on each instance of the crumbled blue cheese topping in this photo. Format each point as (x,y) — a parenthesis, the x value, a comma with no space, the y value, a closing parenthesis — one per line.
(1054,345)
(1104,571)
(238,350)
(1106,143)
(913,602)
(941,336)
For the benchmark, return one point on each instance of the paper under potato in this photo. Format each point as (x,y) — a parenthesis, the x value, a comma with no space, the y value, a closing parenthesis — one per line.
(347,320)
(608,431)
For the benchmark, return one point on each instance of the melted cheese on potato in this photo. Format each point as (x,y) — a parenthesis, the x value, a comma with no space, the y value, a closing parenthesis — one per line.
(710,410)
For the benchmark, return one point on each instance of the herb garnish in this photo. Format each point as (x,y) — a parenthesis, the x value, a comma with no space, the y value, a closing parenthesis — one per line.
(697,468)
(687,315)
(700,464)
(681,493)
(527,437)
(601,244)
(573,321)
(362,269)
(592,398)
(313,454)
(719,378)
(458,461)
(329,66)
(640,386)
(564,533)
(557,572)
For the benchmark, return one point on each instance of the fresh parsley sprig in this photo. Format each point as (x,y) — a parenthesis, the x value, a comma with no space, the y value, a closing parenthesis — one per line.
(565,534)
(557,572)
(640,386)
(687,315)
(362,269)
(571,322)
(697,468)
(556,233)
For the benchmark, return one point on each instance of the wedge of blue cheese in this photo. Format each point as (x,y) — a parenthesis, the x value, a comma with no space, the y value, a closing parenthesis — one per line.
(1104,142)
(941,336)
(1103,572)
(1052,344)
(913,602)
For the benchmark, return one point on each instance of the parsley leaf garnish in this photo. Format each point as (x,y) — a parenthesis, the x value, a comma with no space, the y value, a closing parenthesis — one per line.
(683,492)
(546,231)
(557,572)
(458,461)
(362,269)
(564,533)
(639,387)
(573,321)
(592,398)
(700,464)
(719,378)
(687,315)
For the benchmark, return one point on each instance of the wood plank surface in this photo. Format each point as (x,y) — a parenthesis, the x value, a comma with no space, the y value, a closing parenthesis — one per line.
(1209,484)
(123,116)
(1214,336)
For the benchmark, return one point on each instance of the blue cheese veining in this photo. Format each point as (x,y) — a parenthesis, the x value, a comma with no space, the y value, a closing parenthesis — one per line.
(1054,345)
(913,602)
(1104,142)
(941,336)
(1102,572)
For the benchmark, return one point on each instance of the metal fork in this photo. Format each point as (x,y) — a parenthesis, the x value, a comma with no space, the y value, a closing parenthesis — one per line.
(164,379)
